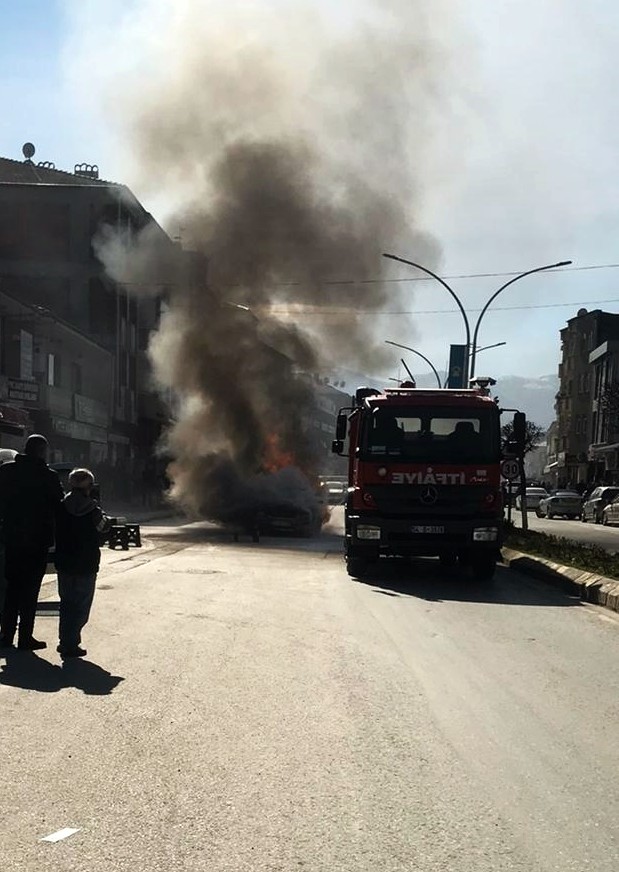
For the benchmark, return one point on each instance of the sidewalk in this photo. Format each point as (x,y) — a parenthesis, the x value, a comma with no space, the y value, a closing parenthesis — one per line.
(140,515)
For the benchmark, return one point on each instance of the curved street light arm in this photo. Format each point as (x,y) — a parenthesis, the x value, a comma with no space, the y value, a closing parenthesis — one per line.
(429,272)
(419,354)
(486,347)
(496,294)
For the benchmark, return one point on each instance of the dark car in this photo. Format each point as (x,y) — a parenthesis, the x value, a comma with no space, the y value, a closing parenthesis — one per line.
(593,507)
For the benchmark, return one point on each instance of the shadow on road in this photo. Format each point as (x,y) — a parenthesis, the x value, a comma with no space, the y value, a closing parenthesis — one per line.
(330,538)
(30,672)
(427,580)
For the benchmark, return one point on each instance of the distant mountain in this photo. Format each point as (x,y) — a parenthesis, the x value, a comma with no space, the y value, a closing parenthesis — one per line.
(535,396)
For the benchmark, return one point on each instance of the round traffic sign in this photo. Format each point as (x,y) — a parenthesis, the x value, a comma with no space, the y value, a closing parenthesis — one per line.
(510,469)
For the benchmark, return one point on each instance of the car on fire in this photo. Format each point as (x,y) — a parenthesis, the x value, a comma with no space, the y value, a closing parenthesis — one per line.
(563,503)
(290,519)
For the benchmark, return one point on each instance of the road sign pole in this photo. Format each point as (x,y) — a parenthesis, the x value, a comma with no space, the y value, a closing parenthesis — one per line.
(523,491)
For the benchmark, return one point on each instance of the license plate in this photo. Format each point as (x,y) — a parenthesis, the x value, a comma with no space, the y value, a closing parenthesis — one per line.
(428,529)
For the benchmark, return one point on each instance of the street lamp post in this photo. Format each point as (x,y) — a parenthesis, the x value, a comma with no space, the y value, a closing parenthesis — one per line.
(419,354)
(472,352)
(467,326)
(429,362)
(486,347)
(496,294)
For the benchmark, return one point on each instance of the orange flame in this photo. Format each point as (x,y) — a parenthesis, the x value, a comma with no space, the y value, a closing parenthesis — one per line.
(275,458)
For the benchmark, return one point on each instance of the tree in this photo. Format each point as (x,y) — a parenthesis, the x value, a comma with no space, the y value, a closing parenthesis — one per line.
(534,435)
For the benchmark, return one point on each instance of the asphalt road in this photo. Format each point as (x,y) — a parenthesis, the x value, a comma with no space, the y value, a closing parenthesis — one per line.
(576,531)
(249,707)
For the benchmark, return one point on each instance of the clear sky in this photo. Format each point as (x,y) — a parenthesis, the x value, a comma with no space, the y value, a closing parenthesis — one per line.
(525,170)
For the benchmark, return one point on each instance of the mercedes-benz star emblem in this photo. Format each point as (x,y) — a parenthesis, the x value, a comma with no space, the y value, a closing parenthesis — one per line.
(429,495)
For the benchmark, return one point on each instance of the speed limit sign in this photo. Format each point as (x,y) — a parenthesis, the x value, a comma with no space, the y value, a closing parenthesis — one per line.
(510,469)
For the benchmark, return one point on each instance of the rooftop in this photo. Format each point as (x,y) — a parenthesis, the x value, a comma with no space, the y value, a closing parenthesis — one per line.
(26,172)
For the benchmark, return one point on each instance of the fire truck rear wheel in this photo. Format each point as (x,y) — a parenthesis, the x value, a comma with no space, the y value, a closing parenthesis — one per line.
(357,567)
(483,567)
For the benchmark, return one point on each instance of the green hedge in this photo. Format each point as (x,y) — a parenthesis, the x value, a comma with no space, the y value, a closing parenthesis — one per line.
(590,558)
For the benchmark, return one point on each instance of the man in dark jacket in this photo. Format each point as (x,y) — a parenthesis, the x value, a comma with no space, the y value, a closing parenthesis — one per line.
(30,493)
(80,527)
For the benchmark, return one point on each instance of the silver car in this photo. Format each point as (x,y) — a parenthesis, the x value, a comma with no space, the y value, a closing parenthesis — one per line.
(533,495)
(564,503)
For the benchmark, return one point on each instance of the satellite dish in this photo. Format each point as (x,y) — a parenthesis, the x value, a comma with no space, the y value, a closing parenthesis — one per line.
(28,150)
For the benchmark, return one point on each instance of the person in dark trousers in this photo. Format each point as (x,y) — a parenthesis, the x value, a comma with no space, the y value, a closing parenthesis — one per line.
(81,526)
(30,493)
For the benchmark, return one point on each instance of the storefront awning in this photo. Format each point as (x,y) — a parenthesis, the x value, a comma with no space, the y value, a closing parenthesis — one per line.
(14,417)
(602,449)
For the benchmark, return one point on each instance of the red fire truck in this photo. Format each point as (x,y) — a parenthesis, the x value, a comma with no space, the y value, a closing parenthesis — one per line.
(424,477)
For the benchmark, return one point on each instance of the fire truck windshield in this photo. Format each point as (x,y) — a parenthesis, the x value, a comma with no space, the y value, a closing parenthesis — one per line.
(432,435)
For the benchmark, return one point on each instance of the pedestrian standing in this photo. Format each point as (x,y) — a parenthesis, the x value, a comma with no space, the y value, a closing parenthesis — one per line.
(30,493)
(7,455)
(81,526)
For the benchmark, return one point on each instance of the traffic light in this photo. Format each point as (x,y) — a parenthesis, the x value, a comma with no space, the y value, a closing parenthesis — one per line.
(520,430)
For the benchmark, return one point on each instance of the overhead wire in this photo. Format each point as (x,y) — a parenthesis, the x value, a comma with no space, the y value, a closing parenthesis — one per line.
(321,312)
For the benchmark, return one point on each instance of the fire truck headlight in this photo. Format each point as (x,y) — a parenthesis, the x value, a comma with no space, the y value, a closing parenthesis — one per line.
(485,534)
(368,532)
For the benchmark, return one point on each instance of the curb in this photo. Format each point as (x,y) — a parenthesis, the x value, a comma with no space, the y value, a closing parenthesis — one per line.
(588,586)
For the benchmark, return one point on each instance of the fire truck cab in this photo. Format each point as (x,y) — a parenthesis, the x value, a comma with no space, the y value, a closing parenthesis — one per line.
(423,477)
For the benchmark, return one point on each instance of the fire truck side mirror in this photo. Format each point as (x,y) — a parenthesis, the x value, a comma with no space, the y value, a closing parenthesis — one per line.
(341,427)
(337,446)
(520,431)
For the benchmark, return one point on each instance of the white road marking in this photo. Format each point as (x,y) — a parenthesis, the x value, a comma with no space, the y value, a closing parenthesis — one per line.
(60,835)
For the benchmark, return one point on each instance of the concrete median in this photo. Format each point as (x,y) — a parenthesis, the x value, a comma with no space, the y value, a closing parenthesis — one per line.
(588,586)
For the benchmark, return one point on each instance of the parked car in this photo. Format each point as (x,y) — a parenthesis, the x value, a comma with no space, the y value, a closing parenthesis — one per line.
(610,513)
(336,489)
(533,495)
(593,507)
(560,502)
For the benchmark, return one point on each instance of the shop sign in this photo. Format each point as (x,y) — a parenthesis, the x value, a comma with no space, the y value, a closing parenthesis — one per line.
(90,411)
(23,391)
(79,430)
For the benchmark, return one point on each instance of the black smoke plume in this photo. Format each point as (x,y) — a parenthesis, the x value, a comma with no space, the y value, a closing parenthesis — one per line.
(293,150)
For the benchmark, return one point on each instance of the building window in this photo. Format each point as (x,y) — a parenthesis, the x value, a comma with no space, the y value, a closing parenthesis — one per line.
(53,370)
(132,372)
(122,369)
(26,355)
(76,378)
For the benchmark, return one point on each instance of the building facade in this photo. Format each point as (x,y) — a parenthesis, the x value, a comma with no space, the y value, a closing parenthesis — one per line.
(604,447)
(55,380)
(587,344)
(51,229)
